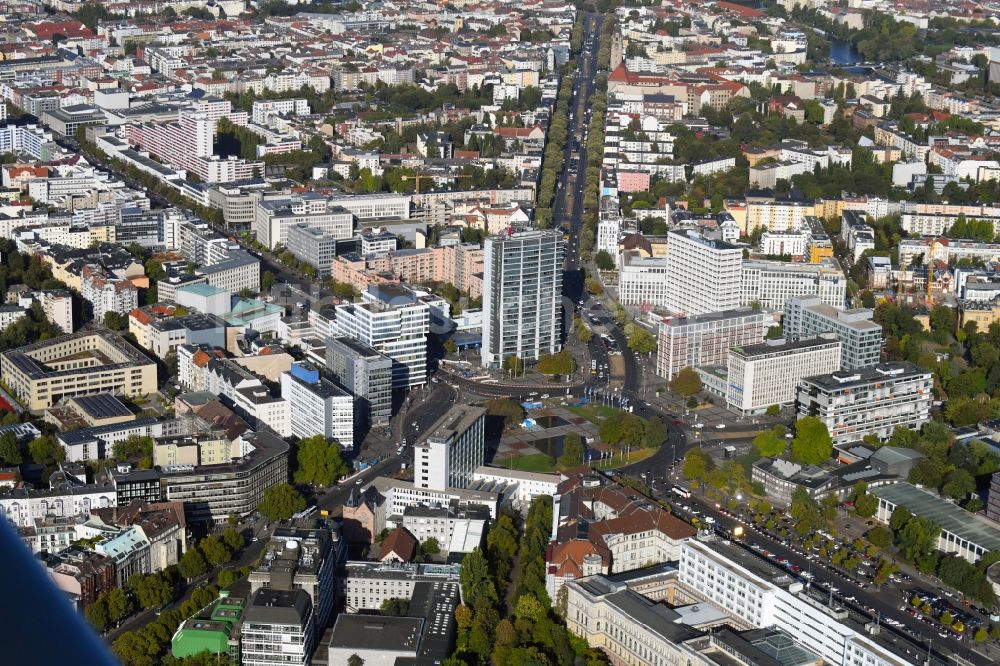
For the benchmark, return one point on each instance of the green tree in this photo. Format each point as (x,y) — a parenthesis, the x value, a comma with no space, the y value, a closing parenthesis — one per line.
(572,451)
(355,660)
(773,410)
(267,281)
(151,590)
(511,411)
(513,365)
(10,452)
(233,539)
(697,464)
(879,537)
(120,605)
(866,505)
(227,577)
(771,443)
(97,614)
(319,461)
(115,321)
(604,261)
(192,564)
(687,383)
(640,340)
(561,363)
(959,484)
(430,547)
(654,433)
(214,550)
(477,584)
(812,444)
(395,607)
(281,502)
(44,450)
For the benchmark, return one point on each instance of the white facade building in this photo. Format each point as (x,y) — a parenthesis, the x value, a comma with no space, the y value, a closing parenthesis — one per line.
(453,449)
(767,374)
(394,322)
(769,284)
(702,275)
(317,406)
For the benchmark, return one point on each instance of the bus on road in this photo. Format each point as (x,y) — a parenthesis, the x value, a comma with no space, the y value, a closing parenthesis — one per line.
(681,491)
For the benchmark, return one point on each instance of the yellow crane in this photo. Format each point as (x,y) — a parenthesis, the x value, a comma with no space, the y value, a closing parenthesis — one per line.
(417,177)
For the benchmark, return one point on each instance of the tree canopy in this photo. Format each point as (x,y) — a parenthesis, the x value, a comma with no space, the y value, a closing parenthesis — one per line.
(320,462)
(812,444)
(281,502)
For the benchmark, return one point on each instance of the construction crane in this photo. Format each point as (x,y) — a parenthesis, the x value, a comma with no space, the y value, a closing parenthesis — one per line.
(431,176)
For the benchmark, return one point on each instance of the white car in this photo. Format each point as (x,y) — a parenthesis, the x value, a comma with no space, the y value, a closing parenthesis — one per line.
(721,426)
(698,426)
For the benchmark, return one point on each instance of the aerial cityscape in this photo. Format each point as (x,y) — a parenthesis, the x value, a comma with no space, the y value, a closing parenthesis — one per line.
(603,333)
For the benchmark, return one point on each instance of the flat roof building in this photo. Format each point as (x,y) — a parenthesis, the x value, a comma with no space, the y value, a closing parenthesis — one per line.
(967,535)
(278,628)
(766,374)
(43,373)
(871,401)
(452,449)
(215,629)
(707,338)
(860,337)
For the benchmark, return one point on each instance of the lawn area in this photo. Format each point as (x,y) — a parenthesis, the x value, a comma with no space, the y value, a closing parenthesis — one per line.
(594,413)
(538,462)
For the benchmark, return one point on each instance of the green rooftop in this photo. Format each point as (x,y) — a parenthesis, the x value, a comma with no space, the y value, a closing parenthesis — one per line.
(211,630)
(950,517)
(202,289)
(247,310)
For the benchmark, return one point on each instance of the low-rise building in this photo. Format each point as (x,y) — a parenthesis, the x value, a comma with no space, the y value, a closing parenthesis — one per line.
(215,629)
(456,531)
(965,534)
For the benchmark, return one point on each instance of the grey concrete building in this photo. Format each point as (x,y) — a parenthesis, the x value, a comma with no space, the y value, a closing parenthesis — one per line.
(364,373)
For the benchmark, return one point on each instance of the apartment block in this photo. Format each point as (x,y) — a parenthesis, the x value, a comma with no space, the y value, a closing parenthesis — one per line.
(706,339)
(313,246)
(273,218)
(767,374)
(871,401)
(643,280)
(860,337)
(703,275)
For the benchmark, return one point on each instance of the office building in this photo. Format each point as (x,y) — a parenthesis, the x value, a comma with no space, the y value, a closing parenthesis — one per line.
(522,296)
(452,450)
(216,629)
(278,628)
(239,271)
(871,401)
(426,635)
(129,549)
(643,281)
(43,373)
(767,374)
(965,534)
(317,406)
(82,574)
(236,486)
(313,246)
(303,558)
(860,337)
(687,342)
(392,320)
(366,374)
(703,275)
(274,217)
(769,284)
(364,586)
(758,594)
